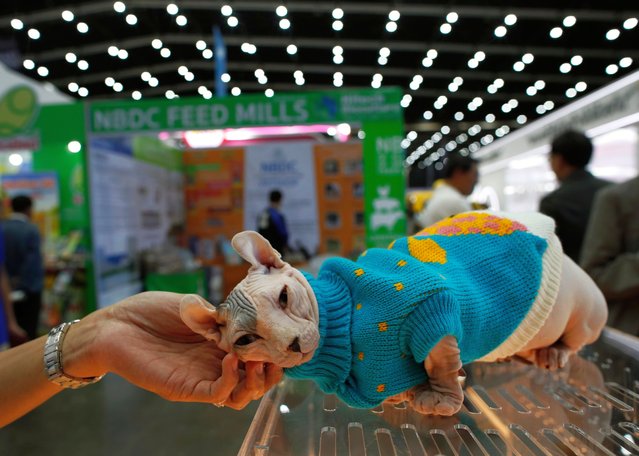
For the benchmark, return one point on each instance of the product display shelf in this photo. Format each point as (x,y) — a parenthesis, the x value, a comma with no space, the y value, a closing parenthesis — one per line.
(588,408)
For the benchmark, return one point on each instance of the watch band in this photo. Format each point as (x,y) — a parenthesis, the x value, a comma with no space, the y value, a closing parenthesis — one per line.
(53,366)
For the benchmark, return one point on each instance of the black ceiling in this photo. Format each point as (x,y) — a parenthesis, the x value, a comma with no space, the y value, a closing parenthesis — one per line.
(364,33)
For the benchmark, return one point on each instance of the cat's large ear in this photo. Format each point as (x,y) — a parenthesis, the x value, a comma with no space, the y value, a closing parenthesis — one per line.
(255,249)
(201,317)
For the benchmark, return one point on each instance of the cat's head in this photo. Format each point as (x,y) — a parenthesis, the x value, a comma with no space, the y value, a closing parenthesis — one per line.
(270,316)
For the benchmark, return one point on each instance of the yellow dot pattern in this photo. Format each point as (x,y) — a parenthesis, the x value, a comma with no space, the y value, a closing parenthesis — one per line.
(381,388)
(399,286)
(360,356)
(390,246)
(383,326)
(401,263)
(359,272)
(473,223)
(426,250)
(358,306)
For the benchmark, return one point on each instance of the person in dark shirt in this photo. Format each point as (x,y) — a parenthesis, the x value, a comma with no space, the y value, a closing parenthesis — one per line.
(271,223)
(571,203)
(24,263)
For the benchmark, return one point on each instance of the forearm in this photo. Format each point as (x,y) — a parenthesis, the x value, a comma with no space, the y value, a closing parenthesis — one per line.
(23,381)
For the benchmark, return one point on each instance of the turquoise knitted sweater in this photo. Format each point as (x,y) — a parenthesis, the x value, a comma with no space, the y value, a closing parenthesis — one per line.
(474,278)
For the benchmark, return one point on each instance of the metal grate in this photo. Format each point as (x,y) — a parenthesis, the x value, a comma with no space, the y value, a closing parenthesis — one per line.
(589,408)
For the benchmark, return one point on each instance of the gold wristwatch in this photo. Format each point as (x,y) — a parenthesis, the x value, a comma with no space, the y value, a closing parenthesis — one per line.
(53,360)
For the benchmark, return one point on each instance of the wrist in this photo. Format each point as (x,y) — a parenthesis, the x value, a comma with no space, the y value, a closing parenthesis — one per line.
(81,352)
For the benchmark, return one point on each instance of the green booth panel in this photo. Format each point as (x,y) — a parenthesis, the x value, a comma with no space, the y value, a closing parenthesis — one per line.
(181,282)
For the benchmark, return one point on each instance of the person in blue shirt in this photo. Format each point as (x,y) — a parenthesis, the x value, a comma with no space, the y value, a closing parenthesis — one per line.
(272,225)
(9,328)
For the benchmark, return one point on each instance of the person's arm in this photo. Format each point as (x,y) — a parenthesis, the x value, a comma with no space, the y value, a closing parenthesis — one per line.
(144,340)
(614,271)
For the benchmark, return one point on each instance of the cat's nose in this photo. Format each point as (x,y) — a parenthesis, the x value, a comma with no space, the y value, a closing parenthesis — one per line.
(295,345)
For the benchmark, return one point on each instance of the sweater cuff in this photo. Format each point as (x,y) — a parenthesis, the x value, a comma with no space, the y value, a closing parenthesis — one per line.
(438,316)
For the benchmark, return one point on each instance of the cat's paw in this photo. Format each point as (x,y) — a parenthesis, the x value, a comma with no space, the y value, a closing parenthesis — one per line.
(554,357)
(445,402)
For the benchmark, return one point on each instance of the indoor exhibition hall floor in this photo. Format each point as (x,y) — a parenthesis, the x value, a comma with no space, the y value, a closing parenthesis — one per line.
(115,418)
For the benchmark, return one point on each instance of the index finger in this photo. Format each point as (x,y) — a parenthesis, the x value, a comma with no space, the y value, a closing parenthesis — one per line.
(223,387)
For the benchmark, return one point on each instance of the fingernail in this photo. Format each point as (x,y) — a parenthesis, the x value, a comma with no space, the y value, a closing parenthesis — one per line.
(260,368)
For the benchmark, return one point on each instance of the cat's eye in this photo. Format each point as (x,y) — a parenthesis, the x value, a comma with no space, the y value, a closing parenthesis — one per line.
(246,339)
(283,298)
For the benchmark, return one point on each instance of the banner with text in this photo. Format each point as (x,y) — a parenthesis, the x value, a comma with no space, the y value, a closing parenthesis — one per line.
(288,167)
(246,110)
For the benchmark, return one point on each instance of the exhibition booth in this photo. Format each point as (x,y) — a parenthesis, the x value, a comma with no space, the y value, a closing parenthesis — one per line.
(111,179)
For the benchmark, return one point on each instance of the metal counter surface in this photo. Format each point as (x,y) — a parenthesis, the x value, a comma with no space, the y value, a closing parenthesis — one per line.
(587,408)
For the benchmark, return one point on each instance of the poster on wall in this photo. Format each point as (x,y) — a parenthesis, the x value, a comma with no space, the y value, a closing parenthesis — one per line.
(213,193)
(288,167)
(132,197)
(43,190)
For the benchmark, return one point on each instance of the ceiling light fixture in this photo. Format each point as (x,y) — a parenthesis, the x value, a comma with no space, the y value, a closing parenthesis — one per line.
(232,21)
(28,64)
(612,34)
(338,13)
(33,33)
(119,7)
(625,62)
(17,24)
(628,24)
(285,24)
(281,11)
(500,31)
(172,9)
(291,49)
(510,19)
(338,25)
(569,21)
(556,32)
(67,16)
(576,60)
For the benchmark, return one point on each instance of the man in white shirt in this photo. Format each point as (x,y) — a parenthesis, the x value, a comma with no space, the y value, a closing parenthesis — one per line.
(449,198)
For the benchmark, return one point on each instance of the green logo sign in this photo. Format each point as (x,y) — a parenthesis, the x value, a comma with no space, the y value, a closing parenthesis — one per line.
(18,110)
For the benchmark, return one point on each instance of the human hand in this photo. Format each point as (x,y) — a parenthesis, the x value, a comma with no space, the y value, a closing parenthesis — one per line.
(144,340)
